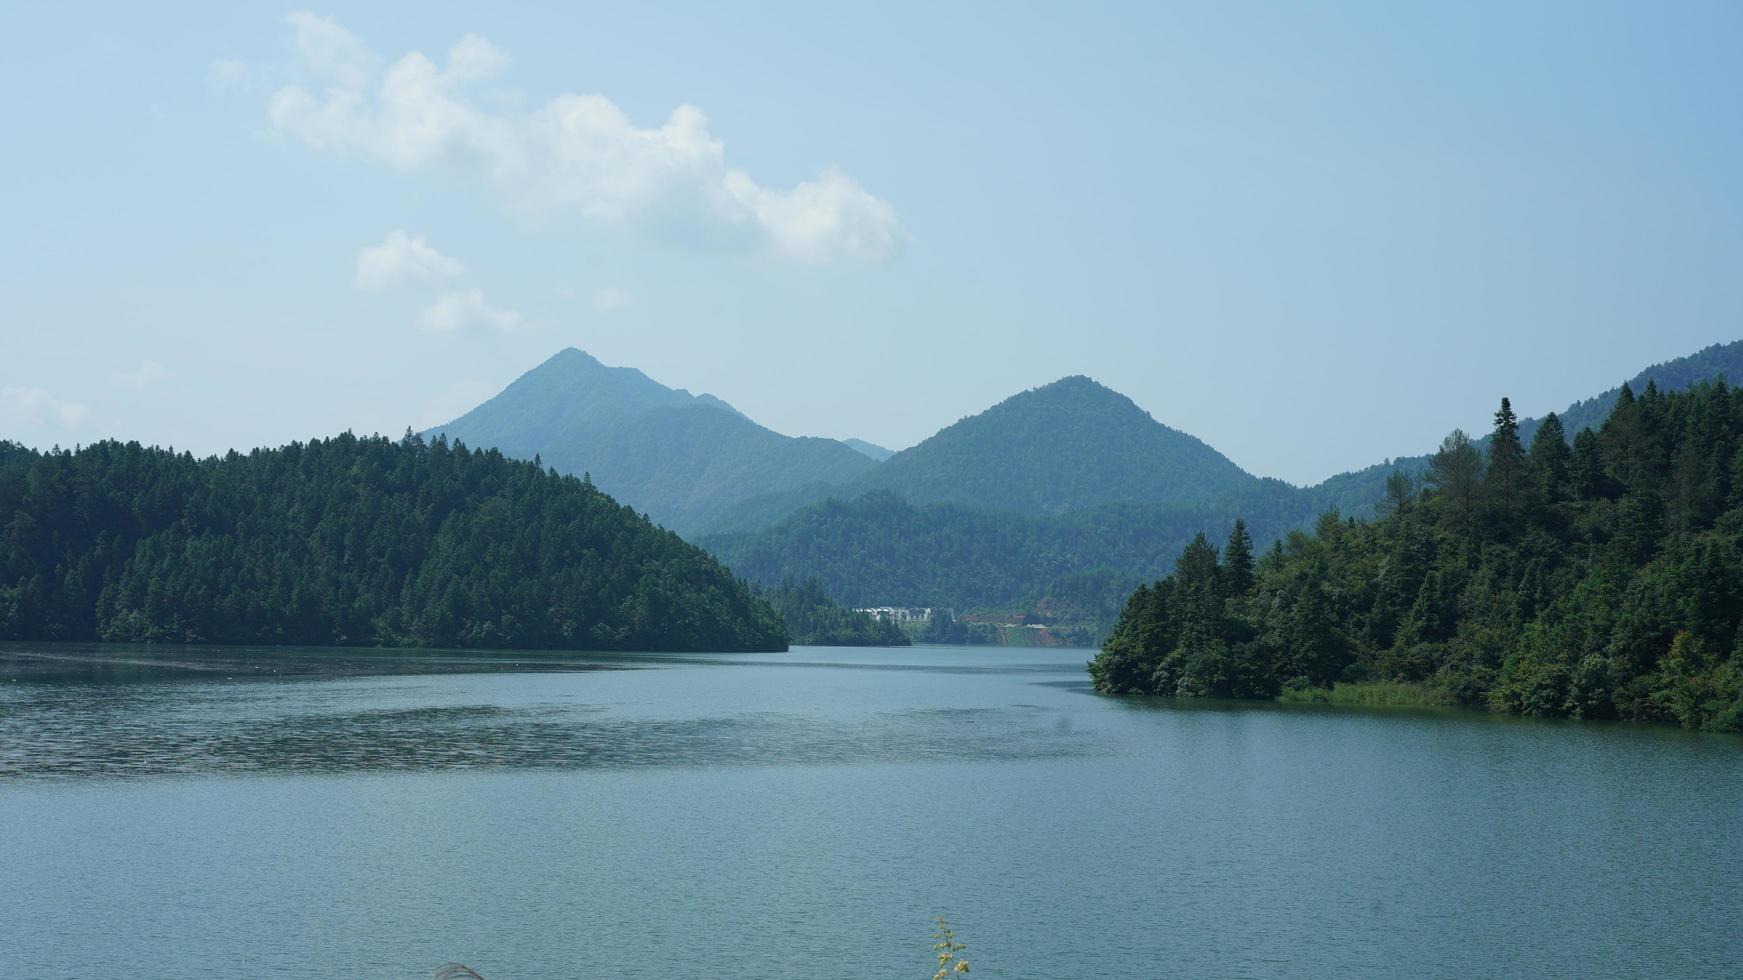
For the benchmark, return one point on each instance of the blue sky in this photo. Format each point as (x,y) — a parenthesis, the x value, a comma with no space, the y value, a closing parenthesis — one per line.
(1312,237)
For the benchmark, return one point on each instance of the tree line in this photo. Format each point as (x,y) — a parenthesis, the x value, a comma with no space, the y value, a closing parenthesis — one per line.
(1601,579)
(349,541)
(813,619)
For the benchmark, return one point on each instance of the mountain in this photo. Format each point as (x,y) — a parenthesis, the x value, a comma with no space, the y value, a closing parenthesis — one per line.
(1060,447)
(968,518)
(1357,492)
(349,541)
(1049,450)
(871,450)
(682,459)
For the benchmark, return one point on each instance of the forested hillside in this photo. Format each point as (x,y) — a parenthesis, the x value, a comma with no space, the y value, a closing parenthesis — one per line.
(682,459)
(1603,579)
(1061,447)
(350,541)
(1358,492)
(814,619)
(880,549)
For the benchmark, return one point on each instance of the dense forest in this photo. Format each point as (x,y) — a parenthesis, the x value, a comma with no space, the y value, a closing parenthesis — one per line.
(350,541)
(966,519)
(881,549)
(1601,580)
(813,619)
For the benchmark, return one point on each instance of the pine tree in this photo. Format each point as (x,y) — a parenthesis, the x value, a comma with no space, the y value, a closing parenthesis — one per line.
(1238,561)
(1550,458)
(1506,461)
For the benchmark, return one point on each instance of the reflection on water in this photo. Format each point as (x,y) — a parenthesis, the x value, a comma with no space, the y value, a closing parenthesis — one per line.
(180,812)
(95,711)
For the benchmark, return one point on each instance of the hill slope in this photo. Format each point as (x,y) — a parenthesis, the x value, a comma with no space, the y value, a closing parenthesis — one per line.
(1062,447)
(1598,582)
(916,543)
(681,458)
(1357,492)
(349,541)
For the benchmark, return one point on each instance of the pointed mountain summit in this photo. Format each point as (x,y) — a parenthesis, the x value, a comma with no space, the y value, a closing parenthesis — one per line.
(1070,444)
(679,457)
(1065,446)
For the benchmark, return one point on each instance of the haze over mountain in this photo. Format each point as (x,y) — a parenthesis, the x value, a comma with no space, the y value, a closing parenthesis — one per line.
(681,458)
(870,449)
(1049,450)
(866,545)
(1061,497)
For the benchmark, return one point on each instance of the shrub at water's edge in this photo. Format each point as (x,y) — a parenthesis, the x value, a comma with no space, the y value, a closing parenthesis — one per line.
(349,541)
(1391,694)
(1598,580)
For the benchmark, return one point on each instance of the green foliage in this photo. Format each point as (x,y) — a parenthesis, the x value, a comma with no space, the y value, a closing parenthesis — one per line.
(1605,582)
(349,541)
(880,549)
(813,619)
(1391,694)
(1362,490)
(683,459)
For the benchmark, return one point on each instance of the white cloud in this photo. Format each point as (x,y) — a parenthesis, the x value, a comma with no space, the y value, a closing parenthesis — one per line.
(577,152)
(332,53)
(461,309)
(35,408)
(403,258)
(611,298)
(147,374)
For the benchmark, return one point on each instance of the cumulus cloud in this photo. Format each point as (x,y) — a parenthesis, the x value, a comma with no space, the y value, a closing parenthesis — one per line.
(147,374)
(611,298)
(577,152)
(462,309)
(35,408)
(403,258)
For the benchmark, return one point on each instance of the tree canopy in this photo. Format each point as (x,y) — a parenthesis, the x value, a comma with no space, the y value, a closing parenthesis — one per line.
(350,541)
(1603,581)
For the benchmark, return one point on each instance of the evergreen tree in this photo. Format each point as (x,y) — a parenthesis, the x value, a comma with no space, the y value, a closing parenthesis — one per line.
(1622,598)
(1506,470)
(1551,459)
(1237,562)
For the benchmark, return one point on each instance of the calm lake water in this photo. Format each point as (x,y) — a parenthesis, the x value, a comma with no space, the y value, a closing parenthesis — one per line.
(227,813)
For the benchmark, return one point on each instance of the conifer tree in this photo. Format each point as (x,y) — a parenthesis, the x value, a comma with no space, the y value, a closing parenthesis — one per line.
(1550,458)
(1506,460)
(1238,561)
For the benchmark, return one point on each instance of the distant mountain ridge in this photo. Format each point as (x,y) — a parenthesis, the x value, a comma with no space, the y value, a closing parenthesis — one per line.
(1054,449)
(680,458)
(871,449)
(868,546)
(1058,497)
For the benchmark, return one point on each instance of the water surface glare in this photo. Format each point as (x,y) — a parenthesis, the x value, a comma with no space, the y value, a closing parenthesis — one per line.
(319,813)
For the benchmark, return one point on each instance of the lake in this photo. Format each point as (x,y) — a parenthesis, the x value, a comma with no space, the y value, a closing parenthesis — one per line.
(319,813)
